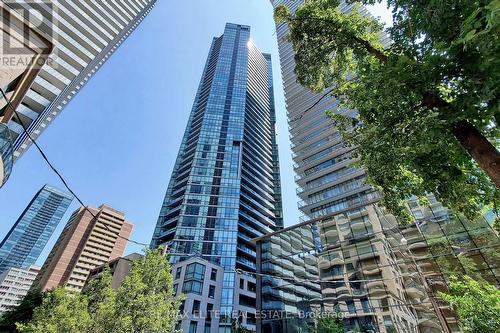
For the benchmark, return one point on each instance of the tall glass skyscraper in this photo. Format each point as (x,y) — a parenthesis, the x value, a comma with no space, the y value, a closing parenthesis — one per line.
(225,187)
(31,232)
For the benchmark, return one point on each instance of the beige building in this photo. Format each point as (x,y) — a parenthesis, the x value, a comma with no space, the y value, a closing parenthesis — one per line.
(85,243)
(119,268)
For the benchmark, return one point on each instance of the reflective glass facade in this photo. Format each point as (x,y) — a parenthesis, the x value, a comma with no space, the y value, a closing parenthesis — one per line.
(225,187)
(31,232)
(6,156)
(365,268)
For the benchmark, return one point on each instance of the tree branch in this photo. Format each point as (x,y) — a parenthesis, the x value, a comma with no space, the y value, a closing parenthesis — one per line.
(381,56)
(472,140)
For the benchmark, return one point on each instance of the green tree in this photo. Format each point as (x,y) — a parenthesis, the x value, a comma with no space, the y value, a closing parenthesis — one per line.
(427,102)
(236,327)
(102,302)
(496,225)
(22,312)
(144,303)
(60,312)
(327,324)
(477,305)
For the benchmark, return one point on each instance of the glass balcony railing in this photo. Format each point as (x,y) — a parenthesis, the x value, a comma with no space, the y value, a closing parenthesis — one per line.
(6,154)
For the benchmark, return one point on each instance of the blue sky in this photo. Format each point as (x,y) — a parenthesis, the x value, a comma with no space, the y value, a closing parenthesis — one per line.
(116,142)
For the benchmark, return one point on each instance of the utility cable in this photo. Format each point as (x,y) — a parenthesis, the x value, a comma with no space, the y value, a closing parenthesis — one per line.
(53,168)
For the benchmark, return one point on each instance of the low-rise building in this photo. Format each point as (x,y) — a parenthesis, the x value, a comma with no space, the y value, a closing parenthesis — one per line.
(119,269)
(201,282)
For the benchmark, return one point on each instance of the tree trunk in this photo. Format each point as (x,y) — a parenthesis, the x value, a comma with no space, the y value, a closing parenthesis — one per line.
(480,149)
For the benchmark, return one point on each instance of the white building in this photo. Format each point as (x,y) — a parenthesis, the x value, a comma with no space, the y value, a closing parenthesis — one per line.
(85,33)
(15,284)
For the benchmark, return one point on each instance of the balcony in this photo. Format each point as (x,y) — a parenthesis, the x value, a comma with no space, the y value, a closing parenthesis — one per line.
(246,263)
(429,321)
(329,260)
(247,250)
(371,271)
(6,154)
(415,292)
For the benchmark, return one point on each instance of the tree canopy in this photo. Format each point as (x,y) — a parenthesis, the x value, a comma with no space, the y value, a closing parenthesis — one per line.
(425,93)
(477,304)
(22,312)
(144,303)
(327,324)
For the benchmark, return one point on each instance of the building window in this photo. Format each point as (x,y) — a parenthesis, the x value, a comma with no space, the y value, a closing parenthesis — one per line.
(207,328)
(213,275)
(176,286)
(413,204)
(192,210)
(251,319)
(193,326)
(365,304)
(337,270)
(210,309)
(195,271)
(224,329)
(242,284)
(418,213)
(178,273)
(211,292)
(350,307)
(384,304)
(195,287)
(193,278)
(196,307)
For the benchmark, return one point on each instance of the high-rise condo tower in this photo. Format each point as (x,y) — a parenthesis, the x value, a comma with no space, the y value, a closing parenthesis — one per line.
(225,187)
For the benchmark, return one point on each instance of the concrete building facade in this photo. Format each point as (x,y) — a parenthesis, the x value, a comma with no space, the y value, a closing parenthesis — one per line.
(119,269)
(14,285)
(85,34)
(84,244)
(327,181)
(24,242)
(199,279)
(22,49)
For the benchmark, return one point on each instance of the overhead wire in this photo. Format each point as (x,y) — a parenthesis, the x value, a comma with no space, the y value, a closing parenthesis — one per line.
(59,175)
